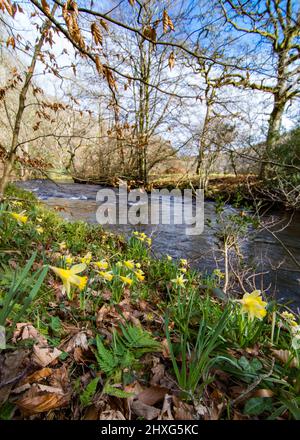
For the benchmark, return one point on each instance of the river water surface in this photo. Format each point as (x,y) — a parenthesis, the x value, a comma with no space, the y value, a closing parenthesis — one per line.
(280,272)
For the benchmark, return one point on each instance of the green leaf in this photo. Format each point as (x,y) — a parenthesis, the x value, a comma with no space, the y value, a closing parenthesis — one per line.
(244,363)
(257,405)
(89,392)
(116,392)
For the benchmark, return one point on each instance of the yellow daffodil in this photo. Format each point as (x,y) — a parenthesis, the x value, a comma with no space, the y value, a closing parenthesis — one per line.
(102,265)
(169,258)
(183,262)
(183,269)
(138,265)
(289,318)
(69,259)
(149,241)
(39,230)
(129,264)
(253,305)
(106,275)
(179,281)
(140,275)
(126,280)
(69,277)
(87,258)
(21,218)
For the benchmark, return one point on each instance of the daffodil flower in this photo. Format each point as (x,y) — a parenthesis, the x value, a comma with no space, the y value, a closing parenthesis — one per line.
(21,218)
(140,275)
(289,318)
(179,281)
(129,264)
(183,269)
(69,277)
(102,265)
(87,258)
(138,265)
(253,305)
(169,258)
(39,230)
(183,262)
(69,259)
(106,275)
(126,280)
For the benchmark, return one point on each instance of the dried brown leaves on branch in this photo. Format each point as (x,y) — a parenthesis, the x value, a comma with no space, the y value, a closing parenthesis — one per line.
(70,14)
(167,22)
(171,60)
(150,33)
(6,6)
(11,42)
(96,34)
(46,7)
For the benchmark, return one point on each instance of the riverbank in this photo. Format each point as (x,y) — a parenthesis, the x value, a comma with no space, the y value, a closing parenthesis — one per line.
(96,328)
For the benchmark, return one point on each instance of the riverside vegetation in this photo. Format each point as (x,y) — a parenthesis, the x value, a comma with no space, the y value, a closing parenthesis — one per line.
(96,328)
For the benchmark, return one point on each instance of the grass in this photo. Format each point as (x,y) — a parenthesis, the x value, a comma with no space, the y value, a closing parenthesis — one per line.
(116,336)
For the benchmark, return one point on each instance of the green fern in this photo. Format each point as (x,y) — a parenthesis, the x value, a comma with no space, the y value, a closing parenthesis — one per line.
(105,358)
(136,338)
(116,392)
(89,392)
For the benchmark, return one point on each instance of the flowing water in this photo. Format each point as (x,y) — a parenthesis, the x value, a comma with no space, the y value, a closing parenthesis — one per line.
(279,271)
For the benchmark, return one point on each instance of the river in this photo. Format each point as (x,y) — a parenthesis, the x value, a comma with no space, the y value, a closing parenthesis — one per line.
(279,271)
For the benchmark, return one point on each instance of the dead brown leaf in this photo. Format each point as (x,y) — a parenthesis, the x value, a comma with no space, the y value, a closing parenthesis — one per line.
(38,375)
(140,409)
(12,368)
(37,401)
(111,415)
(263,393)
(25,330)
(44,356)
(152,395)
(286,357)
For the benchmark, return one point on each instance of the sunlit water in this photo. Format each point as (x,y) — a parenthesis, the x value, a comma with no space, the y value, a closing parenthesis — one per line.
(280,274)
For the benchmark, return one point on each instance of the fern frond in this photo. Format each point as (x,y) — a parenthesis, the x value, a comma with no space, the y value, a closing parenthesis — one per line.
(89,392)
(105,358)
(116,392)
(139,339)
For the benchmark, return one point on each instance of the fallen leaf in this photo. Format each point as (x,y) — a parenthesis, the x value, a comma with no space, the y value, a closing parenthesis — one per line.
(38,375)
(43,356)
(152,395)
(36,401)
(11,371)
(286,357)
(111,415)
(142,410)
(263,393)
(25,330)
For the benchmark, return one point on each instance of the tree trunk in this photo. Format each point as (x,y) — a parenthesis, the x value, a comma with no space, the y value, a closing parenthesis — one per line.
(273,134)
(10,161)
